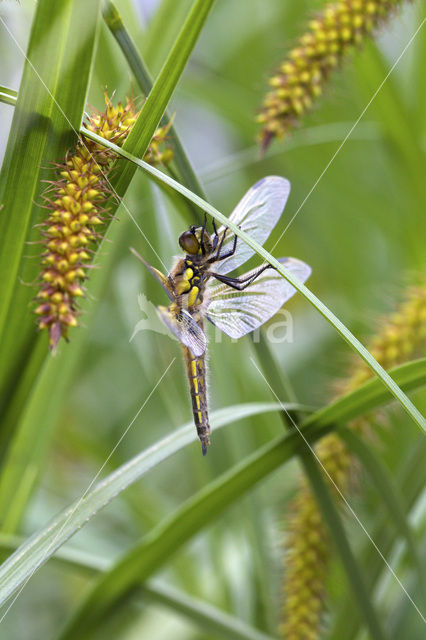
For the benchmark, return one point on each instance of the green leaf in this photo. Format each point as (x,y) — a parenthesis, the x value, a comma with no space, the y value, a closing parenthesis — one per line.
(209,618)
(143,78)
(8,96)
(37,550)
(43,544)
(155,549)
(48,113)
(155,105)
(343,331)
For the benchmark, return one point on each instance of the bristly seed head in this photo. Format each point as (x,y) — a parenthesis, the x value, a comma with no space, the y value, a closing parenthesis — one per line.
(77,218)
(300,79)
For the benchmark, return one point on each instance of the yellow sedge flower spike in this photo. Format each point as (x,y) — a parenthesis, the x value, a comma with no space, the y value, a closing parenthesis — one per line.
(78,216)
(400,338)
(300,79)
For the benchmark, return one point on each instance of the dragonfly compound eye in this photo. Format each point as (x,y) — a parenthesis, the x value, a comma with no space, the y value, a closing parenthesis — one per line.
(189,242)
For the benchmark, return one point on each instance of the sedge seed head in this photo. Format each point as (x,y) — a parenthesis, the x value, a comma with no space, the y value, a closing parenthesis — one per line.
(330,38)
(78,215)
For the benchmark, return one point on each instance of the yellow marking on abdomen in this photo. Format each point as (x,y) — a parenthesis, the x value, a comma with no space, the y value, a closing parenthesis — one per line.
(196,374)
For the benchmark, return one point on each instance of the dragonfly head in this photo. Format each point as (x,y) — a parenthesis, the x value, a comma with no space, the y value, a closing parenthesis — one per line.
(195,241)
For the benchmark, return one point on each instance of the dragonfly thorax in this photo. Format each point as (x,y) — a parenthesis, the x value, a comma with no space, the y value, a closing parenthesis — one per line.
(188,279)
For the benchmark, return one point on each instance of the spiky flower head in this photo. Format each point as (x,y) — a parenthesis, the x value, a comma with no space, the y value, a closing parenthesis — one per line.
(77,218)
(300,79)
(401,336)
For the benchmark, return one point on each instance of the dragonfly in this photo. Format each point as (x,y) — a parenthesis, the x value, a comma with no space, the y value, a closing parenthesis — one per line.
(199,286)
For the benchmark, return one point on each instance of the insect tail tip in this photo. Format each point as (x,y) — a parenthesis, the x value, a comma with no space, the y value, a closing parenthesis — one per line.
(204,448)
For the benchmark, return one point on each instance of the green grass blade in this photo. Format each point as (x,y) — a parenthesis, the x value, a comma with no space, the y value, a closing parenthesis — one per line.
(50,105)
(343,331)
(43,544)
(389,494)
(8,96)
(209,618)
(156,548)
(155,105)
(41,133)
(143,78)
(370,395)
(332,518)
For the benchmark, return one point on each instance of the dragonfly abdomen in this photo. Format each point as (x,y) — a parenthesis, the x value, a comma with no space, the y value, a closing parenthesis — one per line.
(196,370)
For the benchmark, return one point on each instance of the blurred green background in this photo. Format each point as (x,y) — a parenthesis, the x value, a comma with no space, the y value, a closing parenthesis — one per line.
(362,230)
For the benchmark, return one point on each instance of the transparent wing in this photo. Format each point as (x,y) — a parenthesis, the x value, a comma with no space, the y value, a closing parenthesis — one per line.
(162,279)
(236,313)
(257,214)
(185,328)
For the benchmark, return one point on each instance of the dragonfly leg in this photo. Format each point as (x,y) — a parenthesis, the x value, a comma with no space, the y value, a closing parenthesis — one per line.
(216,235)
(240,283)
(203,230)
(221,256)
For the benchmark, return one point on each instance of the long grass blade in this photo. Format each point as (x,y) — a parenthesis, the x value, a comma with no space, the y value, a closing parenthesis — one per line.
(326,505)
(207,617)
(155,105)
(8,96)
(43,544)
(48,111)
(143,78)
(154,550)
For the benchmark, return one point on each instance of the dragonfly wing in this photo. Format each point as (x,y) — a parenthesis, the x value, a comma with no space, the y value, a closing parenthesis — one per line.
(185,328)
(256,214)
(236,313)
(162,279)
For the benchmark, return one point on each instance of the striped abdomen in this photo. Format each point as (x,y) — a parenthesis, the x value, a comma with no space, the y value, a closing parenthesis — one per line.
(196,369)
